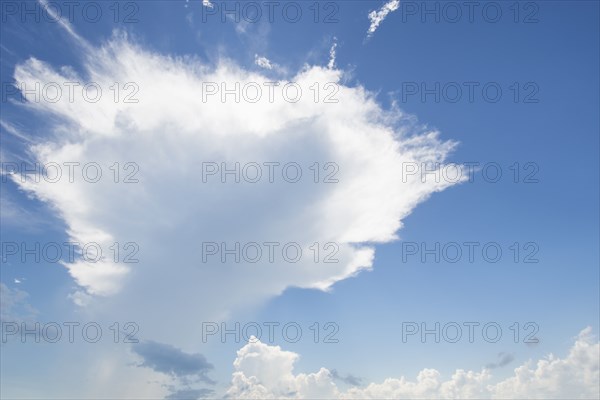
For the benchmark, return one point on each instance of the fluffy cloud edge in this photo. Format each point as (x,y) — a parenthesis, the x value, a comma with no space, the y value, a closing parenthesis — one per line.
(263,371)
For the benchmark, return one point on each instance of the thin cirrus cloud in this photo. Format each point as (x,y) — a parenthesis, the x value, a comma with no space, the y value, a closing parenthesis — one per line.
(263,371)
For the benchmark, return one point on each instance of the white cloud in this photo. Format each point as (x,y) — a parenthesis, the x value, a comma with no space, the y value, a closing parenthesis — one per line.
(263,371)
(377,17)
(170,212)
(207,3)
(263,62)
(332,54)
(575,376)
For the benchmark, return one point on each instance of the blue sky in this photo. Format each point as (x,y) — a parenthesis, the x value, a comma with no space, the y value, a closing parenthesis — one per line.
(549,56)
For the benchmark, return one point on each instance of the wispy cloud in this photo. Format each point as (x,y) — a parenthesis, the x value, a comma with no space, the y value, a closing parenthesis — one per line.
(503,359)
(263,62)
(377,17)
(13,130)
(332,54)
(66,25)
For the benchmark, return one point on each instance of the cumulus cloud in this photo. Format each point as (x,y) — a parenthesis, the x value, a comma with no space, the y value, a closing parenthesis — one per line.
(263,371)
(575,376)
(169,133)
(377,17)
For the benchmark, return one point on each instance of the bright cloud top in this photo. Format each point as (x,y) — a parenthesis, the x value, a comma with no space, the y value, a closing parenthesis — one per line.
(178,123)
(263,371)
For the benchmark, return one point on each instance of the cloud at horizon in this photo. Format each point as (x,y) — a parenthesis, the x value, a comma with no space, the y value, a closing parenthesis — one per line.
(264,371)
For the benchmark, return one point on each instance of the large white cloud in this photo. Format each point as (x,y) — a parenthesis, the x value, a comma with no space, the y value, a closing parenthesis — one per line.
(170,132)
(263,371)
